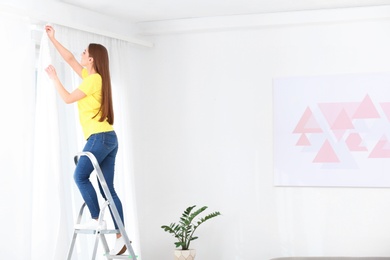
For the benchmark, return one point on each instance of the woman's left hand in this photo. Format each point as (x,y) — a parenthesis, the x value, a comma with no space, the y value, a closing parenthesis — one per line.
(50,31)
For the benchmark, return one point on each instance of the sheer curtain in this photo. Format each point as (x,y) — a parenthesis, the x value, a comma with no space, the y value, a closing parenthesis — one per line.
(48,202)
(56,200)
(17,107)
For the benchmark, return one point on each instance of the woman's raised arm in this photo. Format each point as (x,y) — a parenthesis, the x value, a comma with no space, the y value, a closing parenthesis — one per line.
(65,53)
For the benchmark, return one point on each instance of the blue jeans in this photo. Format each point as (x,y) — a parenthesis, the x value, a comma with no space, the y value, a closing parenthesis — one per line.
(104,146)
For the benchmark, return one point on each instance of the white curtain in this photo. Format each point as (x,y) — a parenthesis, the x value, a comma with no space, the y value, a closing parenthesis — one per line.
(17,109)
(47,199)
(56,200)
(40,136)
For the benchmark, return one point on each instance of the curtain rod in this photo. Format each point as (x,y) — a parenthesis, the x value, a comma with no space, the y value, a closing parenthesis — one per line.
(131,40)
(37,18)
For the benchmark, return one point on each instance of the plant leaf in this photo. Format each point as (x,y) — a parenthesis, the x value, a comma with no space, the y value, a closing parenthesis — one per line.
(184,230)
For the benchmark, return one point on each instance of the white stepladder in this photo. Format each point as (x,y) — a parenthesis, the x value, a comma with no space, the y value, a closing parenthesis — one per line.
(99,233)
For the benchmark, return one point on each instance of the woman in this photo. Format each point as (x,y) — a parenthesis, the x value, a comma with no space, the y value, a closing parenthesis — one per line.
(94,101)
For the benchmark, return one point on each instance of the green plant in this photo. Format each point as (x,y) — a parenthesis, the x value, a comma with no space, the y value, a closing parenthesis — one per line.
(185,229)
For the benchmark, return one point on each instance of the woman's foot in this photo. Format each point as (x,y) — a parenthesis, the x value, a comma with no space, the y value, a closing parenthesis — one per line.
(120,247)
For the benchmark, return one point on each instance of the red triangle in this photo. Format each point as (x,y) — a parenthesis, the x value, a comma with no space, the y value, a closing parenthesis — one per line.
(381,149)
(342,122)
(303,141)
(366,109)
(326,154)
(307,123)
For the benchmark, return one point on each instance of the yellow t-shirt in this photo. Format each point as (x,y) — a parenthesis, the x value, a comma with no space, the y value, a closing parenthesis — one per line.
(90,105)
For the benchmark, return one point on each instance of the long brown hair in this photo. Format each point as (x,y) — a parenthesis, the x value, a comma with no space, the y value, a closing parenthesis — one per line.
(101,65)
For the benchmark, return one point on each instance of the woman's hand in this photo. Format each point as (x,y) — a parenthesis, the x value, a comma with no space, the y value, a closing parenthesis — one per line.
(51,72)
(69,98)
(50,31)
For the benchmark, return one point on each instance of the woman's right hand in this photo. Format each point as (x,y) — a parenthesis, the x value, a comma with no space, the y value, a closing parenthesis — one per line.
(51,72)
(50,31)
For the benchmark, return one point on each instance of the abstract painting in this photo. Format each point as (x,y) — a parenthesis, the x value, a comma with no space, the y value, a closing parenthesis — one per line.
(332,130)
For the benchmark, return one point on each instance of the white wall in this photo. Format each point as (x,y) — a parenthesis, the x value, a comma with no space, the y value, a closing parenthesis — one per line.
(203,135)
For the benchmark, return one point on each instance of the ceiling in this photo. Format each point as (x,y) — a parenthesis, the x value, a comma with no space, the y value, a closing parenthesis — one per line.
(156,10)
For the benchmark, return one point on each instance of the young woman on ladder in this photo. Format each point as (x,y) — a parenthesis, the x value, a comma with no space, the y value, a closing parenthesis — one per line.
(94,100)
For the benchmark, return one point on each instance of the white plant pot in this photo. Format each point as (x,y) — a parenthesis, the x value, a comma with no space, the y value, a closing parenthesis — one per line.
(185,254)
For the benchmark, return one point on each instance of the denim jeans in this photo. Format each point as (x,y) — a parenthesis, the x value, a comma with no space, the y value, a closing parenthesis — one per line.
(104,146)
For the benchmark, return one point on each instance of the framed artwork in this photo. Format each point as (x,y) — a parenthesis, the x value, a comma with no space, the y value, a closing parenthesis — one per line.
(332,131)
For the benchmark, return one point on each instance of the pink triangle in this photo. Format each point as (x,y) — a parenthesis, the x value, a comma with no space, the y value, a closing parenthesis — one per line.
(331,111)
(366,109)
(307,123)
(381,149)
(326,154)
(342,122)
(303,141)
(386,109)
(353,142)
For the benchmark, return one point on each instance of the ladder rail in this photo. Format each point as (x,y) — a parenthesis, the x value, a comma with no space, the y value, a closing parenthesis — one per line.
(72,244)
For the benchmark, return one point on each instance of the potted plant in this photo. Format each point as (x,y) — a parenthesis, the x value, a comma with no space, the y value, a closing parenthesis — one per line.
(185,229)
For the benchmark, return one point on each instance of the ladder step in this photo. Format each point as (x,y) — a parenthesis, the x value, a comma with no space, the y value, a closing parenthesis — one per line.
(119,256)
(93,231)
